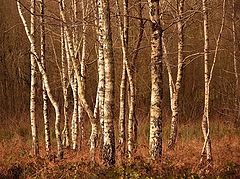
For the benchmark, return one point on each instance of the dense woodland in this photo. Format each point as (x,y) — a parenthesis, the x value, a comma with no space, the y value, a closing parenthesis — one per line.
(124,88)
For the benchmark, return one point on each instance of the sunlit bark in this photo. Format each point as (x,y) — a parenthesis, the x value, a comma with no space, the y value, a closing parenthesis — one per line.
(205,120)
(35,144)
(108,135)
(45,98)
(65,84)
(46,83)
(101,72)
(155,138)
(175,89)
(81,95)
(73,80)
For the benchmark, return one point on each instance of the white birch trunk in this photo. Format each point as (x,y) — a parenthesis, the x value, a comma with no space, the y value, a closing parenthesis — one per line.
(73,81)
(81,95)
(45,98)
(75,112)
(108,135)
(83,67)
(46,83)
(205,120)
(175,91)
(65,132)
(35,144)
(124,39)
(208,77)
(101,71)
(122,113)
(155,139)
(123,92)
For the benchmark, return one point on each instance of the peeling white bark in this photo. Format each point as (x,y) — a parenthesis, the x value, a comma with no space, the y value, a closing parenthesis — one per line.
(45,98)
(35,144)
(46,83)
(175,89)
(155,138)
(81,95)
(108,135)
(205,120)
(65,84)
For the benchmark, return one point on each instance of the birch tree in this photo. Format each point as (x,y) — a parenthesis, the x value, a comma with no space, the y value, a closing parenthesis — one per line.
(83,63)
(45,98)
(35,144)
(74,86)
(122,111)
(108,135)
(101,71)
(155,138)
(45,81)
(73,80)
(81,96)
(205,120)
(208,77)
(175,87)
(65,84)
(126,73)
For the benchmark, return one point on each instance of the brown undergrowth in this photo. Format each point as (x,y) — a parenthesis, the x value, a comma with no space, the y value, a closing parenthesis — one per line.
(182,162)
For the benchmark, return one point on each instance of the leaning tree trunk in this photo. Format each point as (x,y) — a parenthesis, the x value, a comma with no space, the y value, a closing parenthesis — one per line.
(205,120)
(176,90)
(83,66)
(35,144)
(65,84)
(74,86)
(46,83)
(45,98)
(73,81)
(108,135)
(155,139)
(122,111)
(82,99)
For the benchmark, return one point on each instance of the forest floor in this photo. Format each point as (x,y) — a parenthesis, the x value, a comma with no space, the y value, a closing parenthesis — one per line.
(182,162)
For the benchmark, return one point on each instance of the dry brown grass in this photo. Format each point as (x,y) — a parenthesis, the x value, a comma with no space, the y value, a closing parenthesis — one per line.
(15,155)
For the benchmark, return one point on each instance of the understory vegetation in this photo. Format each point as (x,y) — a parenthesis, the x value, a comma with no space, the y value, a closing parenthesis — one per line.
(182,162)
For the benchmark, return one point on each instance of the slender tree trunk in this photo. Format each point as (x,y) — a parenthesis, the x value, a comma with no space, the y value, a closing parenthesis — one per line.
(208,77)
(73,82)
(81,95)
(75,112)
(205,120)
(45,98)
(101,71)
(65,132)
(155,139)
(35,144)
(176,90)
(46,84)
(124,38)
(122,111)
(83,66)
(108,135)
(131,113)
